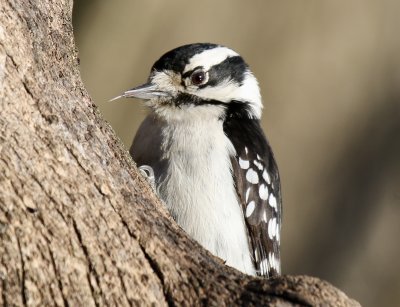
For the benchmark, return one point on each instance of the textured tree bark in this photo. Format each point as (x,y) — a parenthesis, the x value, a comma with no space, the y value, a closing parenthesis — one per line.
(78,225)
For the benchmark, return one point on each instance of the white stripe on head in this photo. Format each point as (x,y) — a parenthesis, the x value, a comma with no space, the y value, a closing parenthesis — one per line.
(209,58)
(227,91)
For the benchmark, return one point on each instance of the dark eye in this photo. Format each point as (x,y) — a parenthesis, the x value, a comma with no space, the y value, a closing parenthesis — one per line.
(198,77)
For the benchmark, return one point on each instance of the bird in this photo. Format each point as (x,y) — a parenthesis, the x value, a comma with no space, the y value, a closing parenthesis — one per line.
(211,162)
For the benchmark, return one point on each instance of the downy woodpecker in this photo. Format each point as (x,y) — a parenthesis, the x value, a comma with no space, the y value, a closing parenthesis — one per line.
(213,166)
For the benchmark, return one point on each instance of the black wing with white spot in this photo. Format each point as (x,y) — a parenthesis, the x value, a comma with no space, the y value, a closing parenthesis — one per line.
(258,186)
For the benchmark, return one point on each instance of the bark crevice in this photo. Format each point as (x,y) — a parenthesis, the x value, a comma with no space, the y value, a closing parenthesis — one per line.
(153,264)
(156,269)
(57,276)
(90,266)
(4,290)
(23,272)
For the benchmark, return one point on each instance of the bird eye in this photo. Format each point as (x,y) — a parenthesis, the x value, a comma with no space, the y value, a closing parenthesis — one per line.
(198,77)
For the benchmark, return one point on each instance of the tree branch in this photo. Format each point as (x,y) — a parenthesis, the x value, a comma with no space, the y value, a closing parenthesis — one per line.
(78,225)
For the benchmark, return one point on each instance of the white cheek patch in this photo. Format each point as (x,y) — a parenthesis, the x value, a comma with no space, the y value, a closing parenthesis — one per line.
(224,91)
(229,90)
(209,58)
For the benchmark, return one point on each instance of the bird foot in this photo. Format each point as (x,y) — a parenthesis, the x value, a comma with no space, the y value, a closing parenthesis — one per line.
(148,173)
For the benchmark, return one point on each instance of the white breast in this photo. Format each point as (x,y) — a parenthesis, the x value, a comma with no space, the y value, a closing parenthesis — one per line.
(199,189)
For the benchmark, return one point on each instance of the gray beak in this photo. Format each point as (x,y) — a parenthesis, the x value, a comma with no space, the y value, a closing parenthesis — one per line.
(146,91)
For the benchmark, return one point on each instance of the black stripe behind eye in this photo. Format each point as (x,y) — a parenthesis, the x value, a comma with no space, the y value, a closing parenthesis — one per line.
(232,68)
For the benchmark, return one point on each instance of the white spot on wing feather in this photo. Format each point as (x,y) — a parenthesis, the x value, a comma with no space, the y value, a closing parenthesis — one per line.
(278,233)
(266,177)
(252,176)
(272,260)
(244,164)
(250,208)
(272,201)
(247,194)
(263,191)
(264,217)
(264,266)
(272,228)
(259,165)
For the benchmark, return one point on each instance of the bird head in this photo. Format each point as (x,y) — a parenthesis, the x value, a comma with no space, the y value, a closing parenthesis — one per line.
(198,77)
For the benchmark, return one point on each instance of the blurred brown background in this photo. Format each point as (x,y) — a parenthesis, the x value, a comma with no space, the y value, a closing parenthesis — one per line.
(329,73)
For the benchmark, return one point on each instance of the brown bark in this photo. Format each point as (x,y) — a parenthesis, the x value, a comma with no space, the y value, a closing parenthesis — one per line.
(78,225)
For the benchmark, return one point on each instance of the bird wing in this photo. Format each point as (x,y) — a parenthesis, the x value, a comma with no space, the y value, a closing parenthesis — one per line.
(258,188)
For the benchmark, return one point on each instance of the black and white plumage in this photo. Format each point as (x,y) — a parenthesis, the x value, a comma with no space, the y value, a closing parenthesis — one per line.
(212,163)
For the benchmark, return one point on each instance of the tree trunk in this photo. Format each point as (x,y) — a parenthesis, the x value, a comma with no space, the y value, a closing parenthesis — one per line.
(78,225)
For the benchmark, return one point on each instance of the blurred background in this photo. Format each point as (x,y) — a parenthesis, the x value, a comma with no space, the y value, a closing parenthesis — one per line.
(329,73)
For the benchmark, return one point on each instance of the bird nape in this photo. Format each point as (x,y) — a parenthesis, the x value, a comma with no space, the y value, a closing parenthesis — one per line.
(213,166)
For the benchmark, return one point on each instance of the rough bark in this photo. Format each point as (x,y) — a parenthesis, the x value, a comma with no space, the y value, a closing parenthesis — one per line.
(78,225)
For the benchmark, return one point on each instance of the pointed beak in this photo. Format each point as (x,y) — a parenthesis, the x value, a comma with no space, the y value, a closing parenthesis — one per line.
(146,91)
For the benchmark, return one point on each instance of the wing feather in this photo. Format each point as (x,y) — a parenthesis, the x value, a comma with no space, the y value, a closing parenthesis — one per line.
(258,188)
